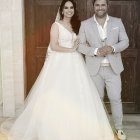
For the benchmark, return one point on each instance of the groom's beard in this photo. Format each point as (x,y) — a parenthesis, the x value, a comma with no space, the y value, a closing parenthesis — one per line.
(101,15)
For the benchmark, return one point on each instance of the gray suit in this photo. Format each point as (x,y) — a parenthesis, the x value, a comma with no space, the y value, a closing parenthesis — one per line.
(89,39)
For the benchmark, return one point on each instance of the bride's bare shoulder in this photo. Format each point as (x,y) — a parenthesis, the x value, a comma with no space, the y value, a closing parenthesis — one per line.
(54,27)
(56,23)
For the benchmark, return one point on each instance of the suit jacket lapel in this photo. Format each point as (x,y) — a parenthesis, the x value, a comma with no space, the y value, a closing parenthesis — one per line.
(94,29)
(109,27)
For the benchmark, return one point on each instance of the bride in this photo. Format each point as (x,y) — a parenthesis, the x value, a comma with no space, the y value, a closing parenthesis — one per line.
(64,103)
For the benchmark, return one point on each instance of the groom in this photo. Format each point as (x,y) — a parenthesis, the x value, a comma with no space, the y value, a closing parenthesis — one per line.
(101,39)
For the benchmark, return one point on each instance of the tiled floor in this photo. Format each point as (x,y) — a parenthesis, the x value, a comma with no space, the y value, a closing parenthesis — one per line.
(131,127)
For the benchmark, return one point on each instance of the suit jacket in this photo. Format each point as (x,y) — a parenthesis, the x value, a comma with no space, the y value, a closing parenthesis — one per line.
(89,39)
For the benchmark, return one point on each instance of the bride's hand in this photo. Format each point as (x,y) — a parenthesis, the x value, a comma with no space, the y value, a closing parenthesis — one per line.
(76,44)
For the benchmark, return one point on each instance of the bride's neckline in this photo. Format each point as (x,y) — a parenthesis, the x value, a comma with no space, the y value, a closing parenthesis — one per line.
(65,27)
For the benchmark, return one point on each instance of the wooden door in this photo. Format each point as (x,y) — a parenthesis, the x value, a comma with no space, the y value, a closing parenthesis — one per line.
(40,14)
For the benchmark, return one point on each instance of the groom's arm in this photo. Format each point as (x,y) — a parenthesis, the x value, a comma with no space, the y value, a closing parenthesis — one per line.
(84,47)
(123,41)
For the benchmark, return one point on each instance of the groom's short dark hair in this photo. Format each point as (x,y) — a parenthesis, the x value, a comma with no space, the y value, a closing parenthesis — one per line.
(93,1)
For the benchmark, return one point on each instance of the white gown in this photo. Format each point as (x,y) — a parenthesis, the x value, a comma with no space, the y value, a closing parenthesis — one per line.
(63,103)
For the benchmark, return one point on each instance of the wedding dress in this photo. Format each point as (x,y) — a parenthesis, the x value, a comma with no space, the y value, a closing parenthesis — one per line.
(64,103)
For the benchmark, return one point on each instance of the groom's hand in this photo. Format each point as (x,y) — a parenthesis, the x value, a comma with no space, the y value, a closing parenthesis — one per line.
(101,52)
(108,49)
(104,51)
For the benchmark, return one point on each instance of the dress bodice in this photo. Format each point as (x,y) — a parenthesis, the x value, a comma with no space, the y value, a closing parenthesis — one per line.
(66,38)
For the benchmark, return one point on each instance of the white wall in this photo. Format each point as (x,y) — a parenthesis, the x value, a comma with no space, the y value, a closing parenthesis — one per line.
(12,56)
(0,82)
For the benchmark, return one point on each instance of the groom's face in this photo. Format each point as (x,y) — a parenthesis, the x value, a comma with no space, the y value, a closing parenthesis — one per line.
(100,8)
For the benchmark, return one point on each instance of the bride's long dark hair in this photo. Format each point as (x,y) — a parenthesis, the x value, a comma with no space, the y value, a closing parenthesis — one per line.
(75,22)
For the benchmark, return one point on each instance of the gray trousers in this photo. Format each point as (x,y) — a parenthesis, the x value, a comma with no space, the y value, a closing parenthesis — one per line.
(106,78)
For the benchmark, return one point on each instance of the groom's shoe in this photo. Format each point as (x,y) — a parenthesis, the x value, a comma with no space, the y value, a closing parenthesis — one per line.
(120,134)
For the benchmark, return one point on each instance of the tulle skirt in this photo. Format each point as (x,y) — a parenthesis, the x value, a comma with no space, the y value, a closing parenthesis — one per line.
(63,104)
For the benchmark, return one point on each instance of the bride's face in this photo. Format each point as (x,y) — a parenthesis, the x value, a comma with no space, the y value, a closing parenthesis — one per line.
(68,10)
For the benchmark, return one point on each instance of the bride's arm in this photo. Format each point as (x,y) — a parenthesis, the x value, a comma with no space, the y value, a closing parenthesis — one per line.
(54,34)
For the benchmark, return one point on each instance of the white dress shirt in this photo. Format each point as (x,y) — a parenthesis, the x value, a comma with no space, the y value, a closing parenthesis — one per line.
(103,35)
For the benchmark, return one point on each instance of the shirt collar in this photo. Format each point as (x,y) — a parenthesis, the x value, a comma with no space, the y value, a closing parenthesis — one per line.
(107,18)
